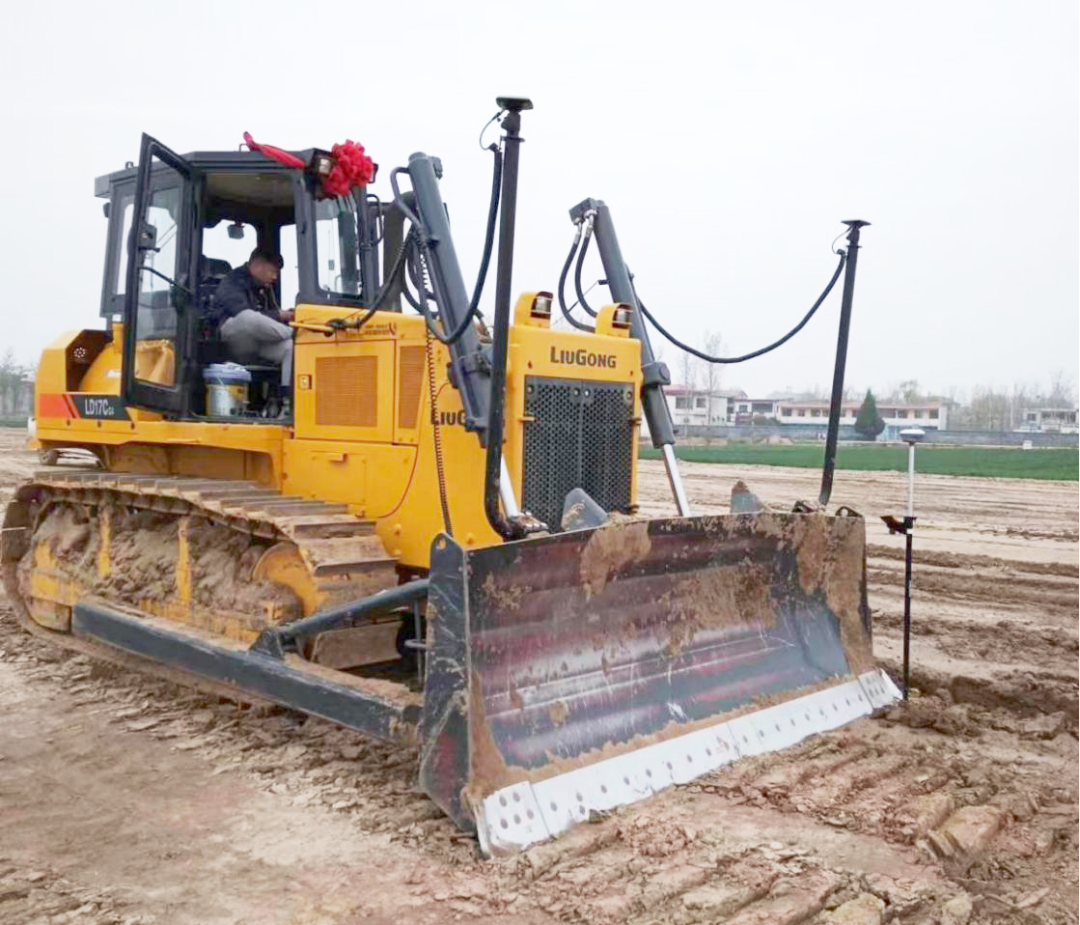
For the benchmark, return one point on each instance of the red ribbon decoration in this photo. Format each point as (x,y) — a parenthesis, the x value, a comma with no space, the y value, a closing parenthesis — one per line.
(352,168)
(277,154)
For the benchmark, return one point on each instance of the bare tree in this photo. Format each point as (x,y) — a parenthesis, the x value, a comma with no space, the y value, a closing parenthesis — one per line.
(816,392)
(11,387)
(1062,390)
(712,373)
(688,371)
(909,391)
(1022,398)
(989,409)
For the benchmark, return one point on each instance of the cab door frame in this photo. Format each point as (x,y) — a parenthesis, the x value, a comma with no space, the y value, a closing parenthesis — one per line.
(172,399)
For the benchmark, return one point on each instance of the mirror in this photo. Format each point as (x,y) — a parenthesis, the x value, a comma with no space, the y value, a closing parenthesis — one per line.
(236,231)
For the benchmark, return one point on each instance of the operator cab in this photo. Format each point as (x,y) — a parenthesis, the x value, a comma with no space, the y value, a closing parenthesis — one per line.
(199,217)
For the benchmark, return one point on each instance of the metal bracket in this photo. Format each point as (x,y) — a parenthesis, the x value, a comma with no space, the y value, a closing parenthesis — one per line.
(901,525)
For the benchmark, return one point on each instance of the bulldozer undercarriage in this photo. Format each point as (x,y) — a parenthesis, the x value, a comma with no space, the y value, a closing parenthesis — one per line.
(227,558)
(565,675)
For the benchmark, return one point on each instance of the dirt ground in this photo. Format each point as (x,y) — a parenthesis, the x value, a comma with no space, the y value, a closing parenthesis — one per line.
(125,799)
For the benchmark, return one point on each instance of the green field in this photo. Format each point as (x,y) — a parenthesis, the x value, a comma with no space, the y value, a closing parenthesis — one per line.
(989,461)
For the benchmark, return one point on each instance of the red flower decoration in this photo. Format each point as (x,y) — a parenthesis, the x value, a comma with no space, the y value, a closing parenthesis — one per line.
(352,168)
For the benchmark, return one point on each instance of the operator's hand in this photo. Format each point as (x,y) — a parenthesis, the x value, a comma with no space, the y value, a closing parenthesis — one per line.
(287,315)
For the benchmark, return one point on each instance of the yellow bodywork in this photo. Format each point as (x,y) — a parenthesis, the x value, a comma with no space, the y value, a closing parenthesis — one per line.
(362,432)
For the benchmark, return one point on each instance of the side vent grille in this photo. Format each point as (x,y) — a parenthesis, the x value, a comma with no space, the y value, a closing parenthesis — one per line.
(347,391)
(412,380)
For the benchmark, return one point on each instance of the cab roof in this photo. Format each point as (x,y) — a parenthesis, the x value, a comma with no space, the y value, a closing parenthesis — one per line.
(204,160)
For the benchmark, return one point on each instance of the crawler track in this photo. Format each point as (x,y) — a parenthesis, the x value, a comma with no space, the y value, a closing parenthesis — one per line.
(227,556)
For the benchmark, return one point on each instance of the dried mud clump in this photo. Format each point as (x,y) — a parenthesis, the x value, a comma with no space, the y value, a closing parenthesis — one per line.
(142,559)
(611,548)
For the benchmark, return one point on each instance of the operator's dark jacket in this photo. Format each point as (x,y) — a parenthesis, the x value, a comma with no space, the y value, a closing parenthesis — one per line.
(237,292)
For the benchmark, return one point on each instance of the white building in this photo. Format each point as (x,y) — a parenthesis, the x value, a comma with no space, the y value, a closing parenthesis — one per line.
(698,407)
(929,415)
(1050,421)
(746,410)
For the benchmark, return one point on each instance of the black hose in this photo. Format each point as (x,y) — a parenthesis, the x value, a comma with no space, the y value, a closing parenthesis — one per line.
(349,323)
(562,286)
(489,236)
(406,291)
(418,277)
(417,229)
(419,260)
(424,259)
(395,272)
(379,224)
(577,270)
(756,353)
(399,200)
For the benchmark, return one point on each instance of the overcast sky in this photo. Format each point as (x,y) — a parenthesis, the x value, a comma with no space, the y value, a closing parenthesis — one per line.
(729,139)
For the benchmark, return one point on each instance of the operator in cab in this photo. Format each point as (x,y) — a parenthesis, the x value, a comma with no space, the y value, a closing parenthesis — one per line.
(251,324)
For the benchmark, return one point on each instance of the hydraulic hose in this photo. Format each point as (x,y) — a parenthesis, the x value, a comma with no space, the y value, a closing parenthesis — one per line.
(567,313)
(424,260)
(577,269)
(351,322)
(755,353)
(419,260)
(489,235)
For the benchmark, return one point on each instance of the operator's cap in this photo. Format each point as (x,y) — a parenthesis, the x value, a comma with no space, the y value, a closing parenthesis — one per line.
(262,253)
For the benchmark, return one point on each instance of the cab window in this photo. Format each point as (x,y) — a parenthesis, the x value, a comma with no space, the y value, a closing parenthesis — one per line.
(227,243)
(127,209)
(336,237)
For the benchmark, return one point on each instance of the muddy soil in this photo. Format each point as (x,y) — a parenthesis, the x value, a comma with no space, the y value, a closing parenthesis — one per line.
(126,799)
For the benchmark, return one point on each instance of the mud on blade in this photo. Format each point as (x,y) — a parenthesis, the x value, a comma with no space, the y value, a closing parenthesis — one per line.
(552,658)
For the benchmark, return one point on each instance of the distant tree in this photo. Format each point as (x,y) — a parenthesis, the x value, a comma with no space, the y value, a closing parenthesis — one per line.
(989,408)
(868,423)
(1062,390)
(1021,399)
(689,367)
(909,391)
(11,374)
(712,344)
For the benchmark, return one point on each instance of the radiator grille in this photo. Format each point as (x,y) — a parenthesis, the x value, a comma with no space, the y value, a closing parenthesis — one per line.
(347,391)
(412,379)
(582,437)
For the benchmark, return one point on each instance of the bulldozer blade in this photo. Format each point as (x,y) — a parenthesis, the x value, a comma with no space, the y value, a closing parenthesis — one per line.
(574,673)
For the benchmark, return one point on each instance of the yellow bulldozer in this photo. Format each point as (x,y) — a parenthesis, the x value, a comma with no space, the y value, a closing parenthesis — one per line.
(427,530)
